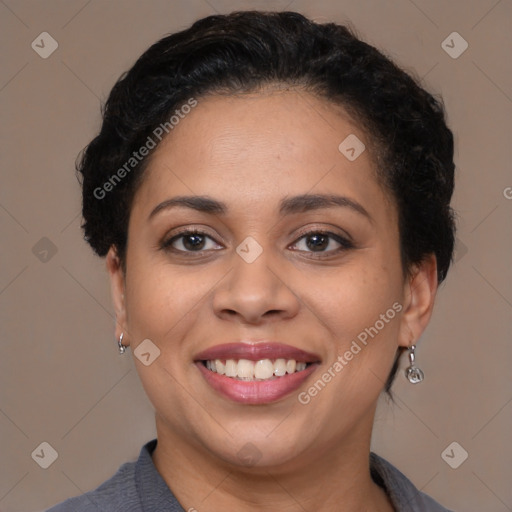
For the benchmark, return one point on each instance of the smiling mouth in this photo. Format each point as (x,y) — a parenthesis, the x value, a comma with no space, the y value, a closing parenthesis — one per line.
(257,372)
(261,370)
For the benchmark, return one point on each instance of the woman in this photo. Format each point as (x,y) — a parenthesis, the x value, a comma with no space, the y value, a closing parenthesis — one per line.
(272,197)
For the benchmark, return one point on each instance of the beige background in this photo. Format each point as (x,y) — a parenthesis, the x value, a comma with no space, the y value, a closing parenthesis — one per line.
(61,380)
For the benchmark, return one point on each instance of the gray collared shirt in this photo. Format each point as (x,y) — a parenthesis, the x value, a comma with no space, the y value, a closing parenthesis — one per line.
(138,487)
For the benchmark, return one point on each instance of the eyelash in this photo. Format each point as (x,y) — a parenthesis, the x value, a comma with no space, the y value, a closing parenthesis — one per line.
(345,244)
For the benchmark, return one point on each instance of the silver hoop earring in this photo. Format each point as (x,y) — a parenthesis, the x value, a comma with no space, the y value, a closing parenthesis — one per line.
(122,348)
(413,373)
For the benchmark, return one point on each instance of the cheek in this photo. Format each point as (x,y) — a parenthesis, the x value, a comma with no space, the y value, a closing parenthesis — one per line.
(160,295)
(162,306)
(151,302)
(356,296)
(361,307)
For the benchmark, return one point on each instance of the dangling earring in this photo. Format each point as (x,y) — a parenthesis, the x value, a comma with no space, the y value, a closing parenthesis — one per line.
(122,348)
(413,373)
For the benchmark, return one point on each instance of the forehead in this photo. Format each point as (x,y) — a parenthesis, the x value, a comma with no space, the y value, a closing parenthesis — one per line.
(256,148)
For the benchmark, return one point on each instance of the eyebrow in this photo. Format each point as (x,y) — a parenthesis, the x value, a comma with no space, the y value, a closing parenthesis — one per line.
(306,202)
(199,203)
(288,206)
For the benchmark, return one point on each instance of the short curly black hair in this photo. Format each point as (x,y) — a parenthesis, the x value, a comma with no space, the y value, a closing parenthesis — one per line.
(245,52)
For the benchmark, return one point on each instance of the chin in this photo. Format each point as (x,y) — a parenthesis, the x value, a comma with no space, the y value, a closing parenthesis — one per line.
(258,446)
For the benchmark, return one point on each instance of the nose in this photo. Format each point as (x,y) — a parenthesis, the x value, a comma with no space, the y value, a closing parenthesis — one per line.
(254,293)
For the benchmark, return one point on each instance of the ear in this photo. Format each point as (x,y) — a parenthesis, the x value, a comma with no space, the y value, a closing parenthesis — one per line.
(419,294)
(117,288)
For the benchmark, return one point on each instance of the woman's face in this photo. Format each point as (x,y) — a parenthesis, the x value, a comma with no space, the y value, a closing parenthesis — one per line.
(297,245)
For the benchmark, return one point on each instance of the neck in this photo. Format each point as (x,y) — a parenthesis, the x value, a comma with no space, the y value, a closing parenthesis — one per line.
(320,480)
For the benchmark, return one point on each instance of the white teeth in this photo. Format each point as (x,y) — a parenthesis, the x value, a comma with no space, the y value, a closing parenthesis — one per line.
(291,364)
(264,369)
(280,367)
(231,368)
(245,369)
(220,367)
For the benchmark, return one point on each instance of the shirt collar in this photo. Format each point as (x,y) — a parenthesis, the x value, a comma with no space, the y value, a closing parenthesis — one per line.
(154,493)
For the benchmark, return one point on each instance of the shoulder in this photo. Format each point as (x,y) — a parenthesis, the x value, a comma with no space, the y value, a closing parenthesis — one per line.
(136,487)
(115,495)
(402,492)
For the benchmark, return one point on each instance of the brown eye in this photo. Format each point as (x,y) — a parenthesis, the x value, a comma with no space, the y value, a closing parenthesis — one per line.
(190,241)
(193,242)
(317,241)
(322,242)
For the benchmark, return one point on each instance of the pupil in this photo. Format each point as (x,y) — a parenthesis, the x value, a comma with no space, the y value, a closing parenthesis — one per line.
(320,241)
(193,241)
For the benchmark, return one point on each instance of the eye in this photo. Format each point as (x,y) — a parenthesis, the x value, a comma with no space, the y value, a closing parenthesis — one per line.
(190,241)
(322,242)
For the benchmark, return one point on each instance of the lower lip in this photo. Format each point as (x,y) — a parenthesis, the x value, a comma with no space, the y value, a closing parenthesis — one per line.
(256,392)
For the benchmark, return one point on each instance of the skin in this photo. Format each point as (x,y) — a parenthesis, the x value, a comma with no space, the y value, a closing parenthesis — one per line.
(250,152)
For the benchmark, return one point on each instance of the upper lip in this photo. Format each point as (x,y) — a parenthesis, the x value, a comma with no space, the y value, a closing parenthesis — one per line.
(256,351)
